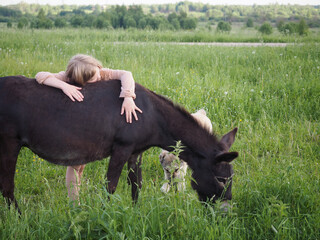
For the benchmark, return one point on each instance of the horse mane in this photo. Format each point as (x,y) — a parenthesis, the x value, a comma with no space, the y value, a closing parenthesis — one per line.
(208,140)
(177,106)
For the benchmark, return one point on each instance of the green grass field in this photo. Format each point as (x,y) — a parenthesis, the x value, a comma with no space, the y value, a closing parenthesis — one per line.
(271,94)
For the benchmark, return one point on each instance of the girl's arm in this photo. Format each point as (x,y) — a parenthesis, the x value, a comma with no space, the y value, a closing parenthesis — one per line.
(58,80)
(127,91)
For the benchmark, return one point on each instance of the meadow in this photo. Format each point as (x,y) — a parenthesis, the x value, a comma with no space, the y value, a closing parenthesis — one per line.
(271,94)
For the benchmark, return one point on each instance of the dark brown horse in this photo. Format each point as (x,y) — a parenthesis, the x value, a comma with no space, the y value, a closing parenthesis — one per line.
(72,133)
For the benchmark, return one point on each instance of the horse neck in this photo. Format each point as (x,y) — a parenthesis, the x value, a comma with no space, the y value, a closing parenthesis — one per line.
(182,126)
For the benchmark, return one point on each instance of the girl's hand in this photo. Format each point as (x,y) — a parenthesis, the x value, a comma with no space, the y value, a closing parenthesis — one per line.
(130,107)
(73,92)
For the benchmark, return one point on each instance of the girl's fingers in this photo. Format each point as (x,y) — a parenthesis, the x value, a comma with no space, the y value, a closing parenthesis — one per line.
(128,116)
(77,98)
(74,93)
(138,109)
(130,109)
(135,115)
(81,94)
(78,95)
(71,97)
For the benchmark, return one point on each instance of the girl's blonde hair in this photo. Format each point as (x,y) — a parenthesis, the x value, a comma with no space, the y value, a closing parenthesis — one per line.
(81,68)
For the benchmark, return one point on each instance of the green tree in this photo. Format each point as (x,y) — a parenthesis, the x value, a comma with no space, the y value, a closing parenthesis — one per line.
(23,22)
(185,22)
(101,22)
(76,21)
(119,12)
(135,12)
(7,12)
(266,28)
(42,21)
(175,23)
(20,25)
(9,24)
(60,22)
(129,22)
(249,23)
(280,26)
(41,14)
(189,23)
(223,27)
(89,20)
(153,22)
(172,16)
(290,28)
(182,15)
(302,27)
(142,23)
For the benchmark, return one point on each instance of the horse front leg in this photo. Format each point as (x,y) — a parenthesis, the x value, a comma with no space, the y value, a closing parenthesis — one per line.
(120,155)
(9,150)
(135,176)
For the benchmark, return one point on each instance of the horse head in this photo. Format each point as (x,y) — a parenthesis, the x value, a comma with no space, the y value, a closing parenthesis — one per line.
(213,179)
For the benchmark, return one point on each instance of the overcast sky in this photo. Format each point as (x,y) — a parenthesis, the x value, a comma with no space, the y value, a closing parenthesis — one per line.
(137,2)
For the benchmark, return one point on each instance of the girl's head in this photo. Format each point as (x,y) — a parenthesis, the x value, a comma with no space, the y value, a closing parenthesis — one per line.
(83,68)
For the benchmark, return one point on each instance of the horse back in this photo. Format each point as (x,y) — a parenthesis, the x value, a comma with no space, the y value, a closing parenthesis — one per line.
(62,131)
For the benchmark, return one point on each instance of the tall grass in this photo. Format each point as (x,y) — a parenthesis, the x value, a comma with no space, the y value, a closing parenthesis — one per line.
(271,94)
(237,34)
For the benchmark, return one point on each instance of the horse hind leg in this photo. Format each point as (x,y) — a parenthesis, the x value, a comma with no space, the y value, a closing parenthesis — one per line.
(9,150)
(134,175)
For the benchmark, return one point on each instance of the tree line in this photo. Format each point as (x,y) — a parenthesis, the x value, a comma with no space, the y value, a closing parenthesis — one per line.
(115,17)
(183,15)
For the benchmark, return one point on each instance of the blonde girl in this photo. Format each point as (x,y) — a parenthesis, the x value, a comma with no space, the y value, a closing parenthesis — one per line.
(83,69)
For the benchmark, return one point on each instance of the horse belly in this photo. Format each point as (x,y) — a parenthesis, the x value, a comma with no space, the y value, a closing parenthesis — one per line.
(63,145)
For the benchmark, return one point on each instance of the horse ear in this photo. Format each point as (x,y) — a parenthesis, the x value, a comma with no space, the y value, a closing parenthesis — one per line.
(226,157)
(228,139)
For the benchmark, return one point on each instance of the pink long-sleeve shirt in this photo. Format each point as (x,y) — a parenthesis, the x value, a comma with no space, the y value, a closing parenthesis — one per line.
(127,81)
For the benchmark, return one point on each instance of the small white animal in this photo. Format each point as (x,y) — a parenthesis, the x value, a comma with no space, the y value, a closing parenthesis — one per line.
(174,168)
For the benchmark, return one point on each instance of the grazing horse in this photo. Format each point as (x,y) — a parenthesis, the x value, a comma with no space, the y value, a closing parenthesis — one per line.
(73,133)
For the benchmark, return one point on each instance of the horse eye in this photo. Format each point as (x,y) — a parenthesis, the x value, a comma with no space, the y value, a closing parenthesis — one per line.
(223,180)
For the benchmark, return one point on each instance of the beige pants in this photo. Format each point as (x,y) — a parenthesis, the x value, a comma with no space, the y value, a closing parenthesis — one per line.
(73,181)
